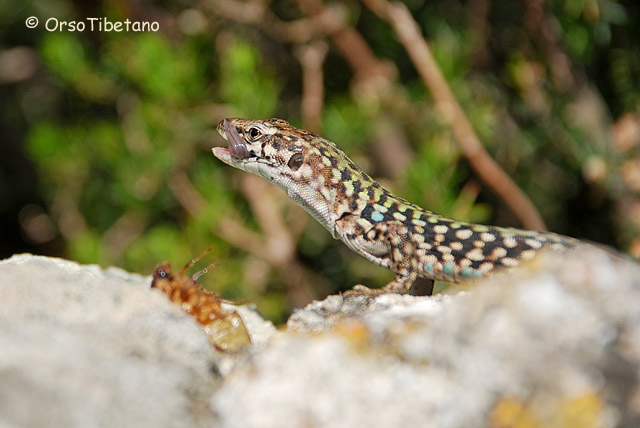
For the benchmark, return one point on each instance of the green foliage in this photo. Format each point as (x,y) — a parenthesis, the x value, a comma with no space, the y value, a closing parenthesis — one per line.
(245,84)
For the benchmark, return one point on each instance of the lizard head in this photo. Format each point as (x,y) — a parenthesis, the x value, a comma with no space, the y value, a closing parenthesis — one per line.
(310,169)
(273,149)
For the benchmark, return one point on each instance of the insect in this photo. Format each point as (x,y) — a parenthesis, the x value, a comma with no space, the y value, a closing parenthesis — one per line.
(225,328)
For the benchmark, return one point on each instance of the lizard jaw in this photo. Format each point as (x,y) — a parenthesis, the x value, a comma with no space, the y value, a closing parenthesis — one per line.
(237,154)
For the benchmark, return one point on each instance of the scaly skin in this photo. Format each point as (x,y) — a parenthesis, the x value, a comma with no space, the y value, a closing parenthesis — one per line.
(387,230)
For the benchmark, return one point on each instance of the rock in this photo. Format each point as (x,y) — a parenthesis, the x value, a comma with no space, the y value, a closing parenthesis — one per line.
(87,347)
(323,316)
(555,343)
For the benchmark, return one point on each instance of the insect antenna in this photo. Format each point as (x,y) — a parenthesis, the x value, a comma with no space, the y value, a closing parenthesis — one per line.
(193,261)
(201,272)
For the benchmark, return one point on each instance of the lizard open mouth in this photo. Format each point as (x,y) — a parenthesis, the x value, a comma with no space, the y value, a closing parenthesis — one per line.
(237,147)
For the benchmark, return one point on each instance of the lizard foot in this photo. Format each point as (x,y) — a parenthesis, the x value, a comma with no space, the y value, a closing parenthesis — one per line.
(394,287)
(361,290)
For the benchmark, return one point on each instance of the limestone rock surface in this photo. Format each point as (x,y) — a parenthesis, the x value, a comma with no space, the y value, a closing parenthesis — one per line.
(554,343)
(86,347)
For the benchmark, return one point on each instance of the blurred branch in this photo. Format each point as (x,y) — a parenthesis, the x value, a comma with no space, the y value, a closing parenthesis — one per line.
(479,11)
(373,78)
(322,21)
(371,73)
(487,169)
(536,23)
(70,220)
(392,149)
(276,244)
(236,234)
(311,58)
(127,229)
(300,31)
(185,192)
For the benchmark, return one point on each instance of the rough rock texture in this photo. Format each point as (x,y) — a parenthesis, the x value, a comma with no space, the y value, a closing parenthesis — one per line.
(556,343)
(85,347)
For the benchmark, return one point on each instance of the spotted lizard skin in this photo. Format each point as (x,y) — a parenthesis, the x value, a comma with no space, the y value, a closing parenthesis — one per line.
(384,228)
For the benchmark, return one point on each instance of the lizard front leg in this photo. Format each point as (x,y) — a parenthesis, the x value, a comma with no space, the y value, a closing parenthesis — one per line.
(399,256)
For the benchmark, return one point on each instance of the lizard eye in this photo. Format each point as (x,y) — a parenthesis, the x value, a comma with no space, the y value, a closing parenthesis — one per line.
(254,133)
(295,161)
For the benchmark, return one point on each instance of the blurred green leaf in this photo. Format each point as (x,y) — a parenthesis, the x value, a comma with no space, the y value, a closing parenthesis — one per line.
(248,87)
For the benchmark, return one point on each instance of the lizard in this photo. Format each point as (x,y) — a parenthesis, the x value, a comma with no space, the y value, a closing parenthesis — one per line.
(418,245)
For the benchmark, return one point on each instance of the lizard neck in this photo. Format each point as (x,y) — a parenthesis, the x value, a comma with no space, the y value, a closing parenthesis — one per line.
(334,187)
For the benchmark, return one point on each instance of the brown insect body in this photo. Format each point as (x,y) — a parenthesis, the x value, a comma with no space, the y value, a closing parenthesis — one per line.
(225,328)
